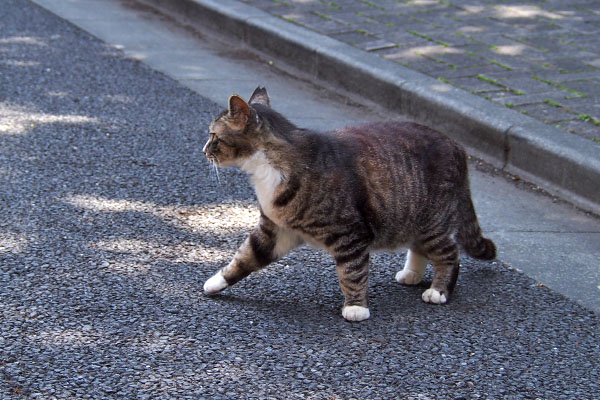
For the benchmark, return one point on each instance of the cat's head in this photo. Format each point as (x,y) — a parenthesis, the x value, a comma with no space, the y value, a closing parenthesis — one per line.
(240,131)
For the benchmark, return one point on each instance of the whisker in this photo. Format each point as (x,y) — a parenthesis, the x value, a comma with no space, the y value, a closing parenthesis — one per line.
(216,168)
(210,169)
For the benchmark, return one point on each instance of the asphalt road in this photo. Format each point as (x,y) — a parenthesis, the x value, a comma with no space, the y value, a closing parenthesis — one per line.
(111,220)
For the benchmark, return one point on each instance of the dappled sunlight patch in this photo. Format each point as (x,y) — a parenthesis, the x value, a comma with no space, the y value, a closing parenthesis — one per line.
(511,50)
(471,9)
(471,29)
(20,63)
(129,268)
(524,11)
(30,40)
(12,243)
(427,51)
(68,337)
(15,120)
(134,55)
(423,2)
(102,204)
(293,16)
(147,252)
(441,88)
(222,218)
(53,93)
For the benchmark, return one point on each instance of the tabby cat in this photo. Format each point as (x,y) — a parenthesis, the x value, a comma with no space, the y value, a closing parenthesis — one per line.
(351,191)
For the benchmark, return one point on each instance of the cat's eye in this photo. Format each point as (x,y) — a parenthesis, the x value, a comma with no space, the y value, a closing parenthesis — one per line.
(217,140)
(213,137)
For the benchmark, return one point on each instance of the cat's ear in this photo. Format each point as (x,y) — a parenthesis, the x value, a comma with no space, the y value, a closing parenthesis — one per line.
(260,96)
(239,110)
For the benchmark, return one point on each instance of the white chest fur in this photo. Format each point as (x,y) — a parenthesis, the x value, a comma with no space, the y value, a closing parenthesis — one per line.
(265,179)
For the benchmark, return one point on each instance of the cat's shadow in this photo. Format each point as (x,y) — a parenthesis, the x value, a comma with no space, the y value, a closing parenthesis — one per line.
(388,301)
(282,312)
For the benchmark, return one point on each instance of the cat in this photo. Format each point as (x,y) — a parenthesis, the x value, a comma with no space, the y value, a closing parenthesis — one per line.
(378,186)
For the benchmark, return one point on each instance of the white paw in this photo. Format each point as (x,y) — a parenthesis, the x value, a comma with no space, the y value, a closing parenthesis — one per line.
(355,313)
(433,296)
(215,284)
(408,277)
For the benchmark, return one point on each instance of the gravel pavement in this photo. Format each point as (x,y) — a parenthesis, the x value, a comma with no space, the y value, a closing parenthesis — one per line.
(111,220)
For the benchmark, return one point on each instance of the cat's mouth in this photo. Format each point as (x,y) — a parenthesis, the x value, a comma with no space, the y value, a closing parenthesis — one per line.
(213,161)
(210,156)
(214,165)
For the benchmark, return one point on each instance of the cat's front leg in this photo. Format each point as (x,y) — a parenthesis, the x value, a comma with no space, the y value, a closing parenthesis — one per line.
(353,274)
(240,267)
(266,243)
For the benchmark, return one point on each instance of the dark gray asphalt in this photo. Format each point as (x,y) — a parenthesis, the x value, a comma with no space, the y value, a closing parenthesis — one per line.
(110,221)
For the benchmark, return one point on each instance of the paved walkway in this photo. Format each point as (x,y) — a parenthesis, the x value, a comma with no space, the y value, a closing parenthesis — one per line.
(541,58)
(110,221)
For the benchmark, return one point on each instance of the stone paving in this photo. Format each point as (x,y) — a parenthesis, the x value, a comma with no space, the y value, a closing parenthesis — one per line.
(539,57)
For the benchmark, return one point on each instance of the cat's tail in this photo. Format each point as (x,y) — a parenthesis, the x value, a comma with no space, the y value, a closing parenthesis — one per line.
(469,232)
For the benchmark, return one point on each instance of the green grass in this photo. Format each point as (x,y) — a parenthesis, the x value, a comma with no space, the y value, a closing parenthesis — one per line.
(509,105)
(499,64)
(373,5)
(490,60)
(589,118)
(442,79)
(489,80)
(552,103)
(501,85)
(437,60)
(332,5)
(558,86)
(422,36)
(420,20)
(318,14)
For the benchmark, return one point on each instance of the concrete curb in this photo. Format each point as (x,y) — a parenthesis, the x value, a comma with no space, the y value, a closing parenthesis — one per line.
(564,164)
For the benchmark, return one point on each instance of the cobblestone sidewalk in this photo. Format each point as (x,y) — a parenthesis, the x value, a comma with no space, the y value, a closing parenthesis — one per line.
(540,57)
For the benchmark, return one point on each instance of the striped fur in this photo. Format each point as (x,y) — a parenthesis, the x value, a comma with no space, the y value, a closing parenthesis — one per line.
(351,191)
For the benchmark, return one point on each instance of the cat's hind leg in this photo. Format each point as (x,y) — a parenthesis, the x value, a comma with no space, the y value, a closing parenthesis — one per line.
(266,244)
(414,268)
(444,256)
